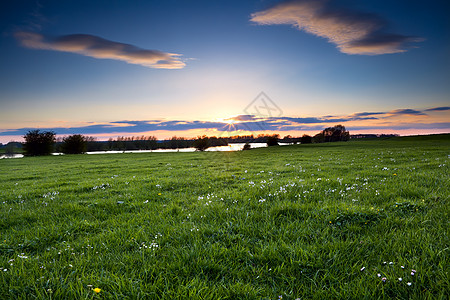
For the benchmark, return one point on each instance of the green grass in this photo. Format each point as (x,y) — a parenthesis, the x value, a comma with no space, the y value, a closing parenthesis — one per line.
(293,221)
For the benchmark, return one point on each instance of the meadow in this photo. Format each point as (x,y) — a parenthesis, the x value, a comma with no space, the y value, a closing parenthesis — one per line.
(348,220)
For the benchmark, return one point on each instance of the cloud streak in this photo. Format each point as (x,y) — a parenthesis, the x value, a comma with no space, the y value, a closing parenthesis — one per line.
(392,113)
(253,123)
(97,47)
(353,32)
(272,125)
(406,111)
(441,108)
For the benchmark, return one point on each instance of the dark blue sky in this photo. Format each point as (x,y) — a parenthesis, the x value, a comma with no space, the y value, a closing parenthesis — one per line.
(72,64)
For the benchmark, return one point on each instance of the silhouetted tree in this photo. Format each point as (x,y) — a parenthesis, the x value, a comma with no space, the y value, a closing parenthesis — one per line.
(178,142)
(94,145)
(335,134)
(39,143)
(272,140)
(247,146)
(332,134)
(119,143)
(202,143)
(318,138)
(306,139)
(74,144)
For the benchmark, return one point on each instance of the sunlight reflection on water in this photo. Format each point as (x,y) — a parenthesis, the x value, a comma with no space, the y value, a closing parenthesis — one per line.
(230,147)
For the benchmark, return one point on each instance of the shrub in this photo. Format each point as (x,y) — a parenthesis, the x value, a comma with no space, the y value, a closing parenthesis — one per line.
(39,143)
(247,146)
(272,140)
(335,134)
(202,143)
(74,144)
(306,139)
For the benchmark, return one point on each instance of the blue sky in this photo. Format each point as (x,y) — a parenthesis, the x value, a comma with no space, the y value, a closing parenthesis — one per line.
(145,67)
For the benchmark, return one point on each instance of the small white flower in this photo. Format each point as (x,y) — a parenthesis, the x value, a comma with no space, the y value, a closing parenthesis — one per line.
(409,283)
(400,279)
(379,275)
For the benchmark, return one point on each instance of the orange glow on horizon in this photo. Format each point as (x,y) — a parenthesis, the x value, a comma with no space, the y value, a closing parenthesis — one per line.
(190,134)
(232,126)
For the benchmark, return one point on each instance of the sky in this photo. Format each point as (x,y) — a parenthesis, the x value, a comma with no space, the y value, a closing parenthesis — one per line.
(187,68)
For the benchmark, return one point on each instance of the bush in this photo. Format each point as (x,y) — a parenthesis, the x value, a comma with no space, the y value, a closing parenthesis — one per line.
(335,134)
(202,143)
(74,144)
(319,138)
(39,143)
(306,139)
(272,140)
(247,146)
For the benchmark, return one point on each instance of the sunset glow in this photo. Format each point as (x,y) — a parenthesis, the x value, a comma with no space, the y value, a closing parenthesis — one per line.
(133,68)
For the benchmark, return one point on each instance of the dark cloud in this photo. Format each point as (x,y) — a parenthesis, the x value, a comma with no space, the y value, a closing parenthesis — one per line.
(364,114)
(246,123)
(94,46)
(326,119)
(403,126)
(188,125)
(135,123)
(310,120)
(406,111)
(353,32)
(396,112)
(441,108)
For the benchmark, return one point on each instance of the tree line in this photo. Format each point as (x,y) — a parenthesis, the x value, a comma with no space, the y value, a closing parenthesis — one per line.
(45,142)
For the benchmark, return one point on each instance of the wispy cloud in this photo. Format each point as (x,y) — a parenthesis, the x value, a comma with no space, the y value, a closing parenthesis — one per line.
(243,118)
(404,126)
(36,19)
(441,108)
(97,47)
(272,125)
(365,114)
(406,111)
(387,114)
(406,118)
(353,32)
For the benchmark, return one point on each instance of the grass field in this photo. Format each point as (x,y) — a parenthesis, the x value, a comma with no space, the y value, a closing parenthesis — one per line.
(328,221)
